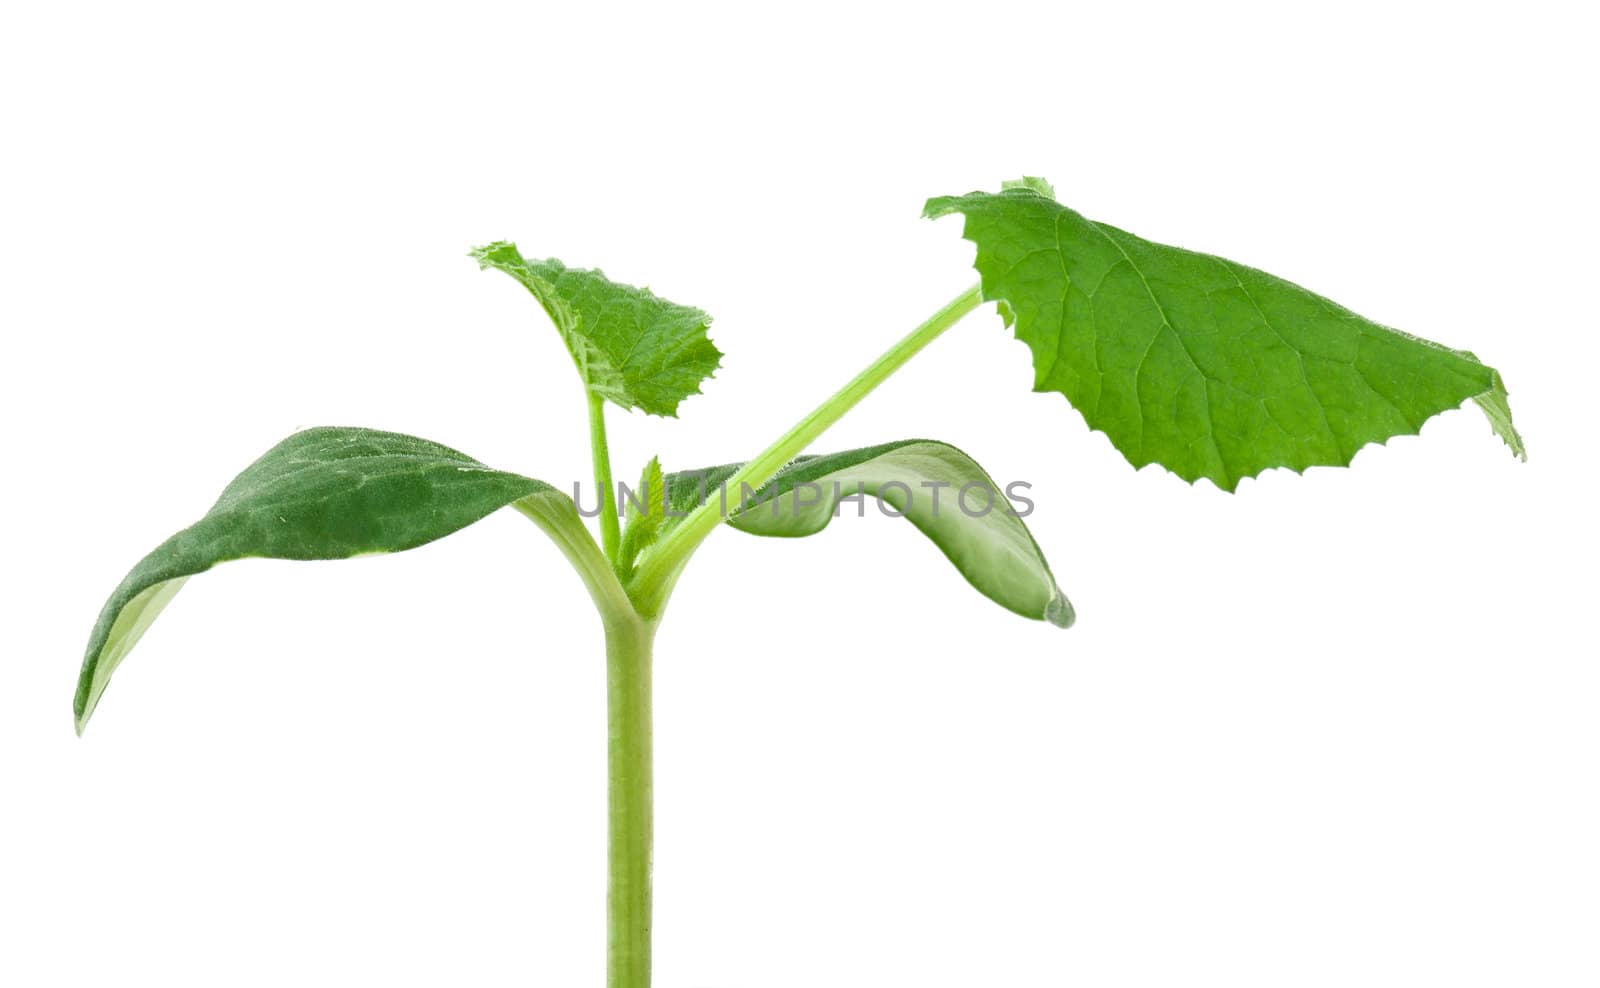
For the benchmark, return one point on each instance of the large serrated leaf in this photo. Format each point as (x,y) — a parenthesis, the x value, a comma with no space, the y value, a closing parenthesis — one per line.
(1207,367)
(920,479)
(326,493)
(632,348)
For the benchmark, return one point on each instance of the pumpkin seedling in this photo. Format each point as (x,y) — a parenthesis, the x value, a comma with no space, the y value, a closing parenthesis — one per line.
(1209,368)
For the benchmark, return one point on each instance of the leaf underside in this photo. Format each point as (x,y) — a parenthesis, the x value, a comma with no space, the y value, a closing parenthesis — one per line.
(1210,368)
(326,493)
(631,347)
(968,518)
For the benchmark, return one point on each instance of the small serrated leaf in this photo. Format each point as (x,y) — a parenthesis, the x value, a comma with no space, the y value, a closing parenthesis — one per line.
(632,347)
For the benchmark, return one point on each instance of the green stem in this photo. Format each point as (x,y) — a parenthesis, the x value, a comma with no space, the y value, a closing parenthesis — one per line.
(555,513)
(629,640)
(631,824)
(610,536)
(660,568)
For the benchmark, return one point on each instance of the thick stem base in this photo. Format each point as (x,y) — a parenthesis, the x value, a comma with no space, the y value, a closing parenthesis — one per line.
(631,793)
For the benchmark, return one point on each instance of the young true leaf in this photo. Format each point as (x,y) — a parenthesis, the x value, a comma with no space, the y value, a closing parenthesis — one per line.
(632,348)
(1207,367)
(646,508)
(935,486)
(328,493)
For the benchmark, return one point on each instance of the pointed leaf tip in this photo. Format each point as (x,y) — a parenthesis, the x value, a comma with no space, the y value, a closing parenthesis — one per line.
(1060,612)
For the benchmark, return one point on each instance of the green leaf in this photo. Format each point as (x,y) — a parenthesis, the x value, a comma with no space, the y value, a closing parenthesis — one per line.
(1496,406)
(1207,367)
(935,486)
(328,493)
(631,348)
(1032,183)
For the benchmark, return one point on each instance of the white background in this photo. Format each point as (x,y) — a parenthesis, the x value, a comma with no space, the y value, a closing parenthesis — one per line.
(1335,729)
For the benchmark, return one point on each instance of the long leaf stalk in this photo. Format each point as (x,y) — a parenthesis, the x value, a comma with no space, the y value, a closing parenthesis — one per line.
(599,451)
(659,570)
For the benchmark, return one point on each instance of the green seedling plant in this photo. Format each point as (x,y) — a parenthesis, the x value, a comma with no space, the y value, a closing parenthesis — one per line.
(1209,368)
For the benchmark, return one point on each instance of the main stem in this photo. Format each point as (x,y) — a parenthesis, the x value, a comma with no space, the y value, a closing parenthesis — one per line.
(628,645)
(631,825)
